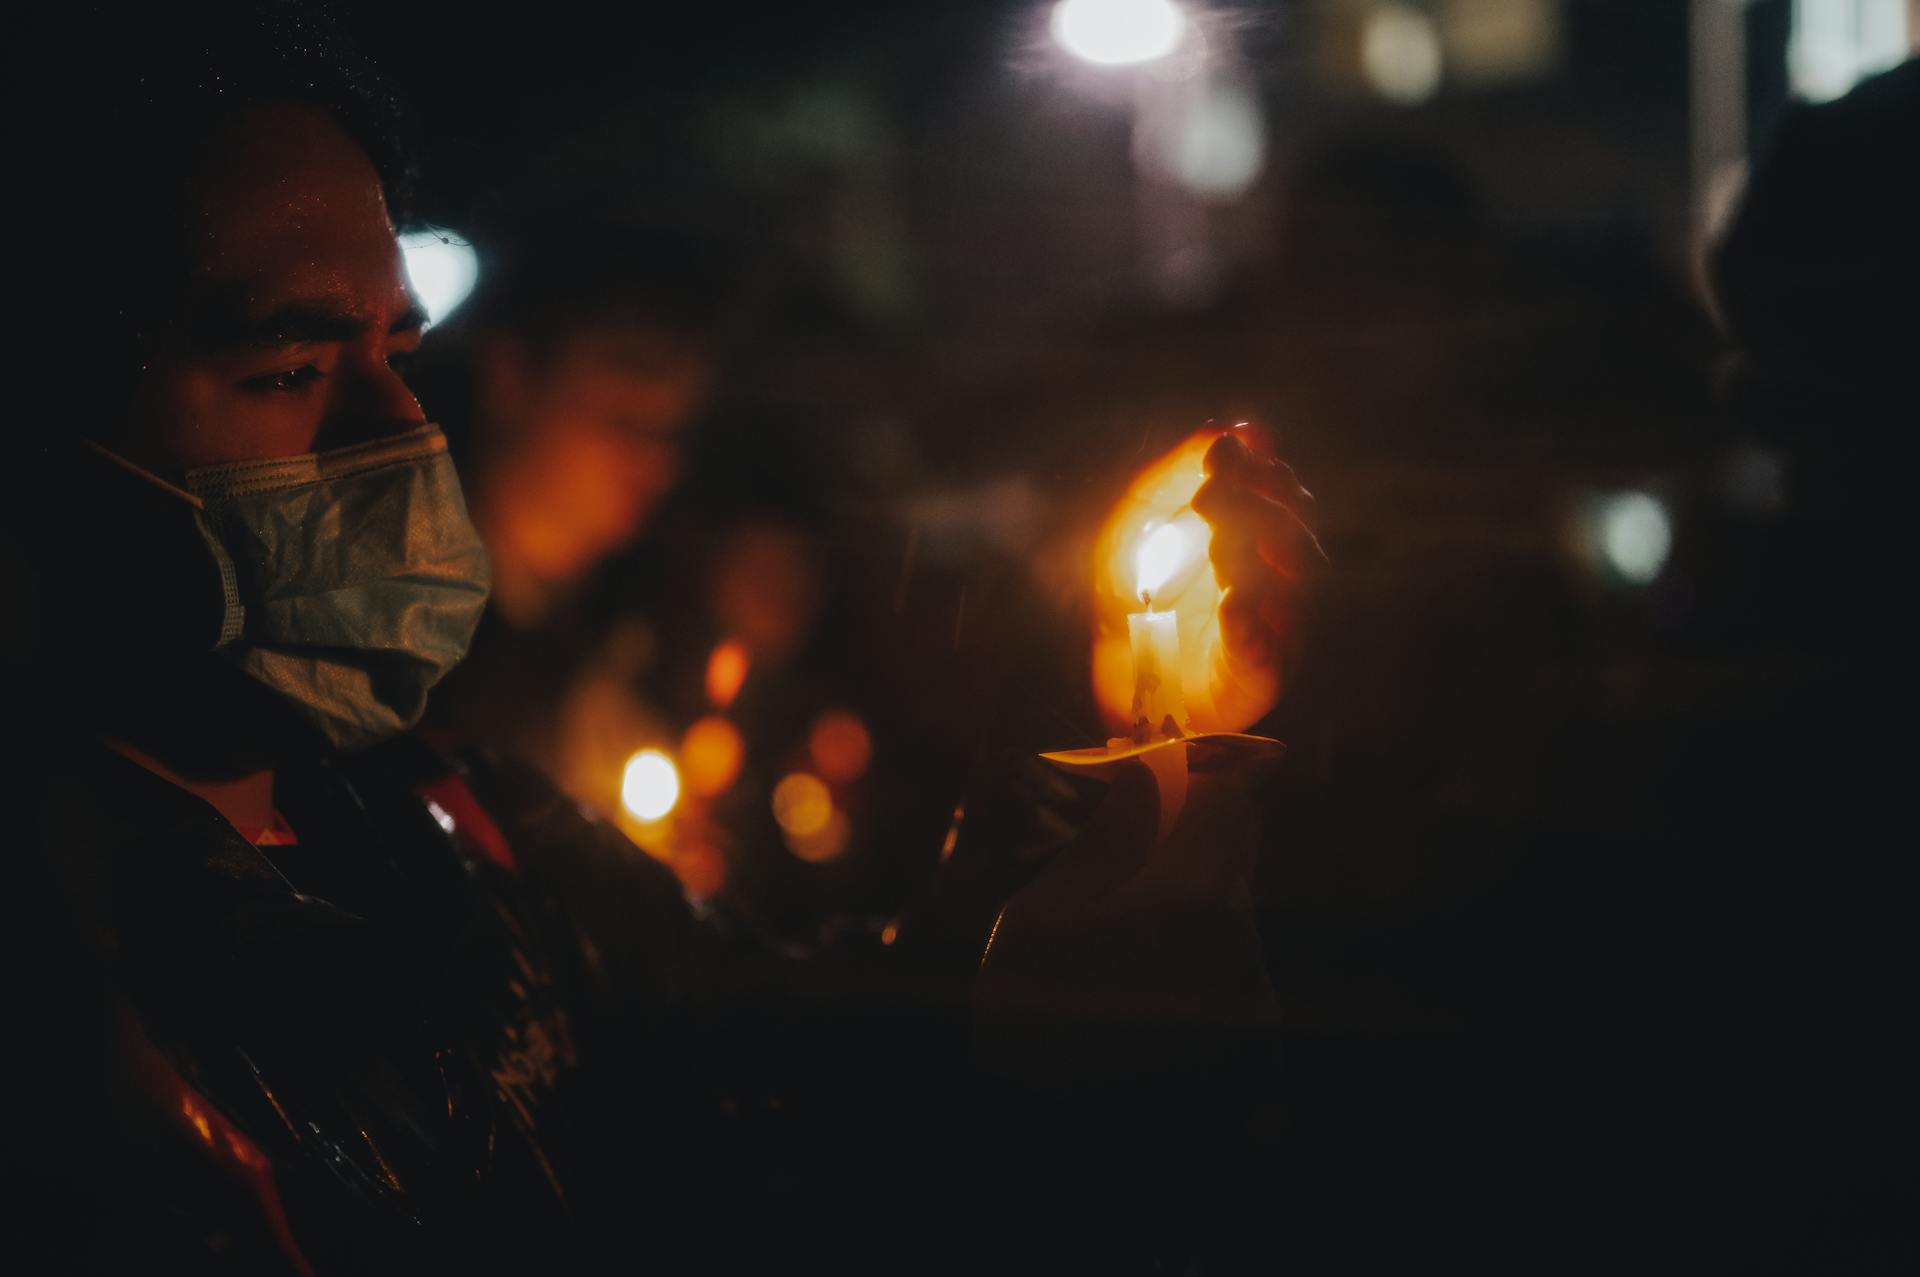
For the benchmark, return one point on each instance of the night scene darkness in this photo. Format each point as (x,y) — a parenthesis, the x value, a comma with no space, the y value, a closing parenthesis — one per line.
(1143,637)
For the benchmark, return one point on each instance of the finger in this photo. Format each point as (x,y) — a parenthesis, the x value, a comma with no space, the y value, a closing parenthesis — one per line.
(1279,621)
(1255,628)
(1228,490)
(1254,538)
(1240,460)
(1243,629)
(1228,501)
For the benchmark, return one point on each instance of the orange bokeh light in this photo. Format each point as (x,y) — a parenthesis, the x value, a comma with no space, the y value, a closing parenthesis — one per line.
(815,830)
(1159,495)
(826,843)
(802,805)
(710,756)
(840,746)
(726,671)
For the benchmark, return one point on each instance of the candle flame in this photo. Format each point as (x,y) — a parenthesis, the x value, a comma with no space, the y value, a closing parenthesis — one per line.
(1161,493)
(1162,553)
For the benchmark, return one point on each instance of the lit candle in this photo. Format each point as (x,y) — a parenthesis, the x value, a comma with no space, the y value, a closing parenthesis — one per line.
(1159,709)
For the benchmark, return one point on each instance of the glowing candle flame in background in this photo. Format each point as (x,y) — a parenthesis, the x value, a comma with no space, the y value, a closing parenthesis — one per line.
(802,805)
(840,745)
(726,671)
(813,828)
(711,752)
(650,786)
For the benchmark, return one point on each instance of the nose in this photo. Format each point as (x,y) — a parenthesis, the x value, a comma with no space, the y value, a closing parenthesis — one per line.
(371,401)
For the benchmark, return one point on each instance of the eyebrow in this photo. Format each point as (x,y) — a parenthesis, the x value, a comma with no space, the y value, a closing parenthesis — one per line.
(301,323)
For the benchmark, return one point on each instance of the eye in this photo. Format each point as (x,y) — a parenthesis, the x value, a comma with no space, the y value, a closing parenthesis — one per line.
(285,382)
(405,363)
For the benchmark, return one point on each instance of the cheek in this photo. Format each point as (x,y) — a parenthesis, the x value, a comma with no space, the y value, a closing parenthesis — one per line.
(193,419)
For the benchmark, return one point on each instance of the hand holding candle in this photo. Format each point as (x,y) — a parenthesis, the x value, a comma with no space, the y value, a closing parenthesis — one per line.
(1217,495)
(1264,557)
(1146,917)
(1151,550)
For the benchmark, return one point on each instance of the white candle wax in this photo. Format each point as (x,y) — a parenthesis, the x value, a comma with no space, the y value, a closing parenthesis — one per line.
(1159,709)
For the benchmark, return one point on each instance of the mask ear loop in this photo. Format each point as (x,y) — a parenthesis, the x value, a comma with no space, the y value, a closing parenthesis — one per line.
(233,615)
(144,473)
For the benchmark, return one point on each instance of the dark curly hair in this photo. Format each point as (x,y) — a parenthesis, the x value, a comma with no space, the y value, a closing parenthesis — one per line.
(125,101)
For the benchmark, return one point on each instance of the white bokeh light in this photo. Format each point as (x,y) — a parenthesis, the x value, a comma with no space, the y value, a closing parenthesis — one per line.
(1400,54)
(1219,144)
(1118,32)
(442,267)
(1835,44)
(1635,535)
(651,785)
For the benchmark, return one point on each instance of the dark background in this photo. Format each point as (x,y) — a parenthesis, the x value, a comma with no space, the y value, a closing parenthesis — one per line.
(1586,900)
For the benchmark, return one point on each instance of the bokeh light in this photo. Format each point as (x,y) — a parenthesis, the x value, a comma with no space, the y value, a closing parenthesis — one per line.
(650,786)
(711,753)
(1219,145)
(829,842)
(1635,535)
(442,267)
(840,746)
(802,804)
(726,672)
(952,839)
(1118,32)
(1835,44)
(1400,54)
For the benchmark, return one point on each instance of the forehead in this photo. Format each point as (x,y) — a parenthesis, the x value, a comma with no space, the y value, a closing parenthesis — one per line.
(287,204)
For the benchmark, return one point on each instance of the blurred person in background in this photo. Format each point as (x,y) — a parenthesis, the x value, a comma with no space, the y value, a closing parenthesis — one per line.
(340,1002)
(570,388)
(1751,995)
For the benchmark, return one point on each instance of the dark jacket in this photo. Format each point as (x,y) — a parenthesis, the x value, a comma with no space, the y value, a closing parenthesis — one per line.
(461,1024)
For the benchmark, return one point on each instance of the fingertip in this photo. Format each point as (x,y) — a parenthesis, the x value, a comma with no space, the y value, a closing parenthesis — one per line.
(1228,453)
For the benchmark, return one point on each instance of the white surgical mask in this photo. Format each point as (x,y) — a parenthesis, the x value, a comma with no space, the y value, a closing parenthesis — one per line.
(352,579)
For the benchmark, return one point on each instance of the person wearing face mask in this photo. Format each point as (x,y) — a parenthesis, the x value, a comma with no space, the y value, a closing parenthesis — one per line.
(322,1029)
(333,1001)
